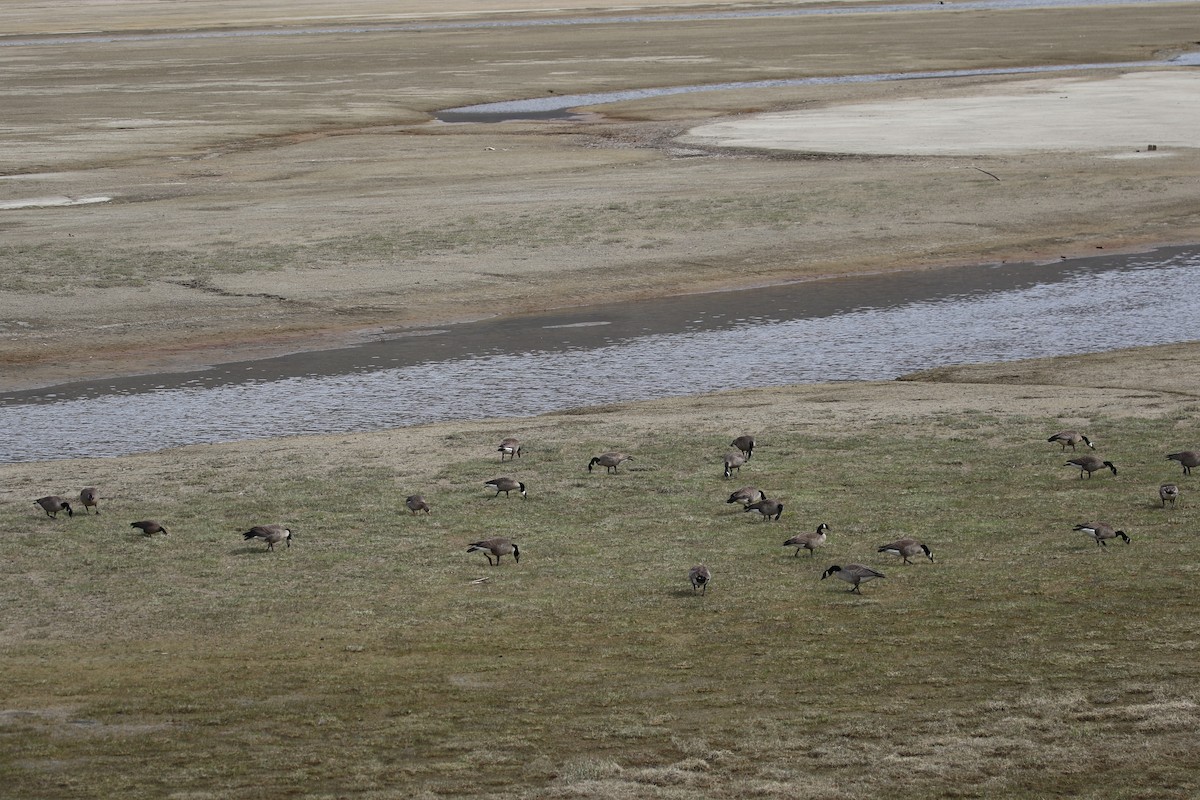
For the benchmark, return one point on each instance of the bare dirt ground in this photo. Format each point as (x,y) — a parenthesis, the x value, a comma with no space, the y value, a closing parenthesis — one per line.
(167,202)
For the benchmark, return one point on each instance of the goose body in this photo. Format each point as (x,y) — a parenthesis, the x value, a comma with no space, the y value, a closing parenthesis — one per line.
(745,444)
(733,460)
(747,495)
(1071,438)
(510,447)
(496,547)
(768,508)
(415,503)
(1168,492)
(808,541)
(506,484)
(854,574)
(1101,532)
(907,548)
(149,527)
(1187,458)
(90,498)
(610,461)
(699,576)
(271,534)
(1090,464)
(52,504)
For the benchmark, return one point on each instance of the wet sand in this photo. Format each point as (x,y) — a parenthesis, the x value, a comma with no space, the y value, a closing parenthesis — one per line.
(288,194)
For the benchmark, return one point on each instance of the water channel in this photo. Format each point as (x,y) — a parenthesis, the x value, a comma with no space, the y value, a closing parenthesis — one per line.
(862,328)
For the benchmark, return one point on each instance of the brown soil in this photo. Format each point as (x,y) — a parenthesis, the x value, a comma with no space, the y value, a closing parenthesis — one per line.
(281,193)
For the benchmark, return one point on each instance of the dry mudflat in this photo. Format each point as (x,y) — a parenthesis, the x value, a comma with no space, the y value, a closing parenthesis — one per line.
(174,200)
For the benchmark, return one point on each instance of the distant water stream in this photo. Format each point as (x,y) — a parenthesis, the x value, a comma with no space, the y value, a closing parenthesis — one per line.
(864,328)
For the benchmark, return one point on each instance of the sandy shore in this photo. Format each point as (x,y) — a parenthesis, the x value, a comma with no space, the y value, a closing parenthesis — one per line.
(284,193)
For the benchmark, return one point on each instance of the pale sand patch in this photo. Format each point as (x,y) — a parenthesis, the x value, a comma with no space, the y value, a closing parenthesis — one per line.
(48,202)
(1125,113)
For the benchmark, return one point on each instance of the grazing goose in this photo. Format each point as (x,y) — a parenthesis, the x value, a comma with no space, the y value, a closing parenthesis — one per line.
(853,574)
(768,508)
(1168,491)
(733,461)
(808,541)
(747,495)
(52,504)
(510,447)
(699,576)
(1188,458)
(745,444)
(415,503)
(1071,438)
(610,461)
(89,497)
(495,547)
(1099,531)
(1090,464)
(906,548)
(271,534)
(506,485)
(149,527)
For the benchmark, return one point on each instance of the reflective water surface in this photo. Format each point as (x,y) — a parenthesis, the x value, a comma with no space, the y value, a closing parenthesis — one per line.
(865,328)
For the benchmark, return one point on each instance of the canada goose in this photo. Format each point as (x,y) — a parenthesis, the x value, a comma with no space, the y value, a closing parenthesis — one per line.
(415,503)
(52,504)
(699,576)
(768,508)
(853,574)
(1090,464)
(89,497)
(609,461)
(1099,531)
(745,444)
(808,541)
(497,548)
(905,548)
(1188,458)
(1071,438)
(1168,491)
(271,534)
(510,447)
(149,527)
(747,495)
(733,461)
(506,485)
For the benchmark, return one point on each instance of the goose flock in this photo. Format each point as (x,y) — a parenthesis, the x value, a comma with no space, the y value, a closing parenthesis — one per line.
(751,498)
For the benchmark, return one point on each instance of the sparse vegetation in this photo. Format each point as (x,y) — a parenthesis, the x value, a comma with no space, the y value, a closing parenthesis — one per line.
(365,661)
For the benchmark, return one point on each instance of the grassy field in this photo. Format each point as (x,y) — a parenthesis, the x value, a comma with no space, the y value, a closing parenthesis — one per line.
(368,661)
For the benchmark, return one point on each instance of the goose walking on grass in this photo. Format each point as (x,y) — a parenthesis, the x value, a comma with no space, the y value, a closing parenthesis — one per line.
(90,498)
(610,461)
(768,509)
(906,548)
(853,574)
(506,484)
(271,534)
(747,495)
(1071,438)
(510,447)
(149,527)
(1090,464)
(699,577)
(1187,458)
(808,541)
(745,444)
(733,461)
(496,547)
(1101,532)
(1168,492)
(415,503)
(52,504)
